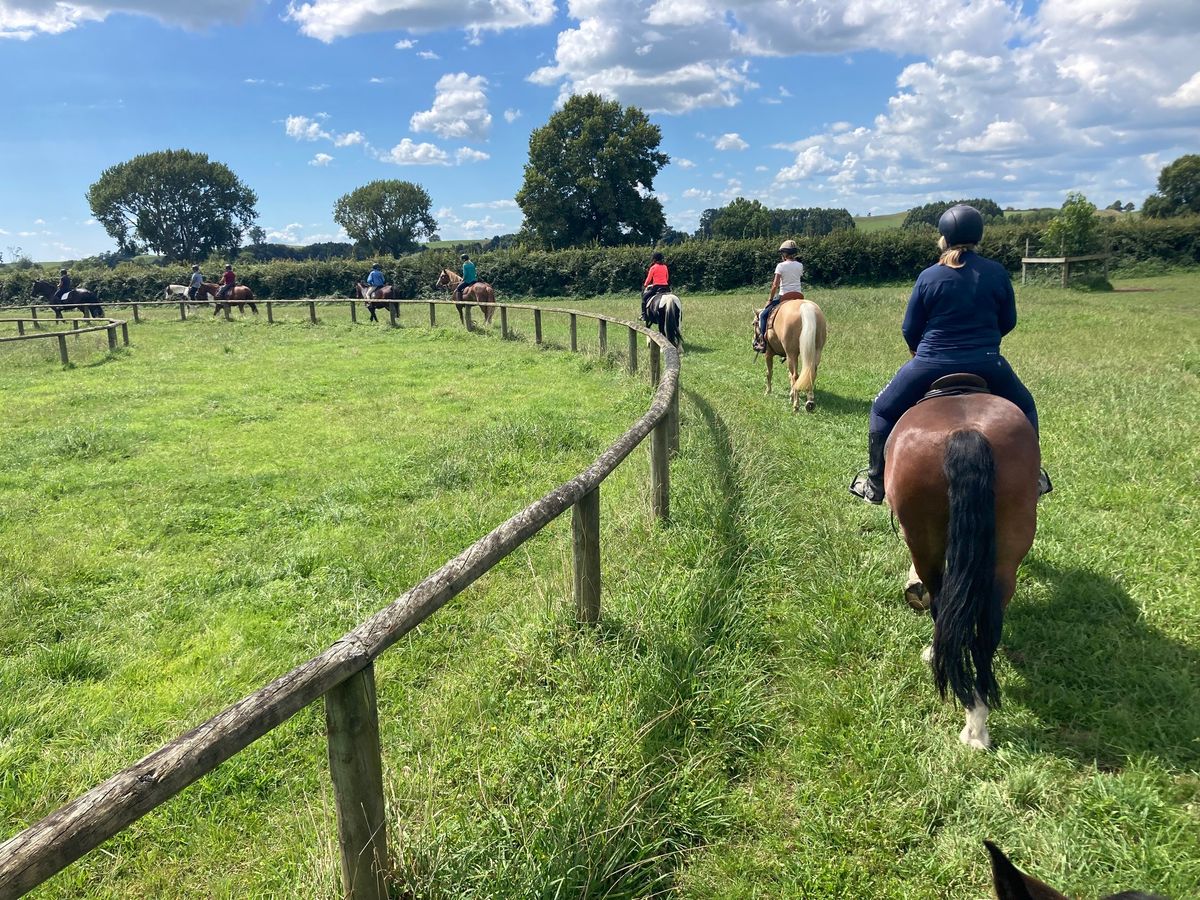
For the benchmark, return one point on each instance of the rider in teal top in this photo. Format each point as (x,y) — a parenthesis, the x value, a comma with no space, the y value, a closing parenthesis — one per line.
(375,281)
(469,276)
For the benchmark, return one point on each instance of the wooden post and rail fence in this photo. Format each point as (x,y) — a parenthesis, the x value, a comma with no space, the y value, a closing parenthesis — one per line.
(343,676)
(78,327)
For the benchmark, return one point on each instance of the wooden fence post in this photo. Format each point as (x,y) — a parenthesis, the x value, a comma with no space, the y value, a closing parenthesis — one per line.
(356,768)
(655,364)
(33,313)
(74,324)
(574,335)
(20,327)
(125,333)
(136,317)
(504,322)
(182,312)
(62,349)
(353,311)
(432,315)
(229,312)
(112,337)
(1066,275)
(393,308)
(632,363)
(270,313)
(467,318)
(585,531)
(603,337)
(660,473)
(312,312)
(673,419)
(537,326)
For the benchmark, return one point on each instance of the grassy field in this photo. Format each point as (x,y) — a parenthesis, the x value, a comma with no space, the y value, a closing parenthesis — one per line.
(181,521)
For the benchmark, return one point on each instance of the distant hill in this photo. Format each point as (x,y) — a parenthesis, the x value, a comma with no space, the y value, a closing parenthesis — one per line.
(880,223)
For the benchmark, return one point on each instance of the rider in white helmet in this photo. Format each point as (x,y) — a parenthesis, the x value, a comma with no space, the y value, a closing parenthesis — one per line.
(785,286)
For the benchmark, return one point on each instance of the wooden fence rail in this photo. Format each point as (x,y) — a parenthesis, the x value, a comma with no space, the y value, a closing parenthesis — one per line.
(344,674)
(101,324)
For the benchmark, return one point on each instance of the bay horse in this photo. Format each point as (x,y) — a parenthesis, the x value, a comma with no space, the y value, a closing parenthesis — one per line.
(797,332)
(239,295)
(77,298)
(480,292)
(385,293)
(666,311)
(961,477)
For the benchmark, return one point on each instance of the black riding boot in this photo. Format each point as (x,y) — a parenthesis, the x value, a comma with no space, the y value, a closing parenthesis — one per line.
(868,484)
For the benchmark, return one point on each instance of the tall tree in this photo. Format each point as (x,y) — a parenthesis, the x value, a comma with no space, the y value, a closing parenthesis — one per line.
(173,202)
(1178,189)
(931,212)
(1074,230)
(590,173)
(388,216)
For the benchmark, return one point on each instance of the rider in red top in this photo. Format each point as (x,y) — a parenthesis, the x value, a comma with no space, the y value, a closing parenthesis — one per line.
(227,281)
(657,281)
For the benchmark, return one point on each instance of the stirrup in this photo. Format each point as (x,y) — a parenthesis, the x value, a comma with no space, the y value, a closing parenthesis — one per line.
(1044,485)
(863,488)
(759,344)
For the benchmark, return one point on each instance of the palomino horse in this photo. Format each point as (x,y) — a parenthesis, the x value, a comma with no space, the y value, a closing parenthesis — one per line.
(385,294)
(480,292)
(798,333)
(84,301)
(203,295)
(239,295)
(961,476)
(665,311)
(1013,884)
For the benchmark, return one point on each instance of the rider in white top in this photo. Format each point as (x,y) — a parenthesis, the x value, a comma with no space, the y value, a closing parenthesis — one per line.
(787,281)
(790,271)
(196,283)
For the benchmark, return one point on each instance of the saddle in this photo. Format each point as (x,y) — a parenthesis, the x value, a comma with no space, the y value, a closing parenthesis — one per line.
(955,385)
(789,296)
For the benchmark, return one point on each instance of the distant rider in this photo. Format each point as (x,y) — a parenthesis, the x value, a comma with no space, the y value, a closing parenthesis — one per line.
(195,284)
(658,281)
(64,286)
(469,277)
(959,310)
(375,281)
(227,282)
(786,285)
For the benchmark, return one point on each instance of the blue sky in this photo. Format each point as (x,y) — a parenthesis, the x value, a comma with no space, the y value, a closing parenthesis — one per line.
(874,105)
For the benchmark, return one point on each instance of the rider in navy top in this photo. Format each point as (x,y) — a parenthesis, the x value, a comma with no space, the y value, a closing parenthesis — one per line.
(958,311)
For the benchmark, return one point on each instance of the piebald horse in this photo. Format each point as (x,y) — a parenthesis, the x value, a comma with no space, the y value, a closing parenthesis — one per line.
(203,295)
(665,311)
(384,297)
(85,301)
(798,333)
(480,293)
(961,476)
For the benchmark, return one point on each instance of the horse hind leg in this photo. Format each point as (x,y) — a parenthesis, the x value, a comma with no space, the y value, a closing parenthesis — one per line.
(770,368)
(915,594)
(794,380)
(975,733)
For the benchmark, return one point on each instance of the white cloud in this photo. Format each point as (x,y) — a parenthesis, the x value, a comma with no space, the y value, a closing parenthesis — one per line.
(321,159)
(511,115)
(492,204)
(467,155)
(303,128)
(24,19)
(730,141)
(1186,95)
(294,233)
(404,45)
(349,139)
(376,80)
(427,54)
(409,153)
(683,163)
(328,20)
(459,109)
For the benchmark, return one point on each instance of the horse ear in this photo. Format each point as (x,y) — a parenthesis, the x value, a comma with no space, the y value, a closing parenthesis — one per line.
(1013,884)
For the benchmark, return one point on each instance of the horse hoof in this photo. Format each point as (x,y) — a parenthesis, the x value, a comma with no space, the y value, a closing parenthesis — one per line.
(916,596)
(810,405)
(980,741)
(927,655)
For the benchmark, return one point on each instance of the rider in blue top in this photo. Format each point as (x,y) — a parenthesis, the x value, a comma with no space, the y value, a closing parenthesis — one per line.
(375,280)
(957,314)
(469,276)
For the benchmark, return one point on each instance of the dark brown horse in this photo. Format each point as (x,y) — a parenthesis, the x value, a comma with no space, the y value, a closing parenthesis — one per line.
(85,301)
(383,296)
(239,295)
(480,293)
(1013,884)
(961,475)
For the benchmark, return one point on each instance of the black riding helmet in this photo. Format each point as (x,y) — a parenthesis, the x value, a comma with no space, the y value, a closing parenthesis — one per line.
(657,257)
(961,224)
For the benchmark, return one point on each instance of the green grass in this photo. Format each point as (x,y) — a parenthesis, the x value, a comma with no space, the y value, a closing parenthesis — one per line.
(183,521)
(880,223)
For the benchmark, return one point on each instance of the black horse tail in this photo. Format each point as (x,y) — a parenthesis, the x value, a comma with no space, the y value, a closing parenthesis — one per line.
(969,614)
(671,319)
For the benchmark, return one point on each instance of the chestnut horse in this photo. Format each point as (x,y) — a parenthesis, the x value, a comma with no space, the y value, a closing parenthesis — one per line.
(798,333)
(385,293)
(961,476)
(84,301)
(239,295)
(480,292)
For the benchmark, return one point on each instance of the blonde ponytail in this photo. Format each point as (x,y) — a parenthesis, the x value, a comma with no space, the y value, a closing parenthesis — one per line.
(952,256)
